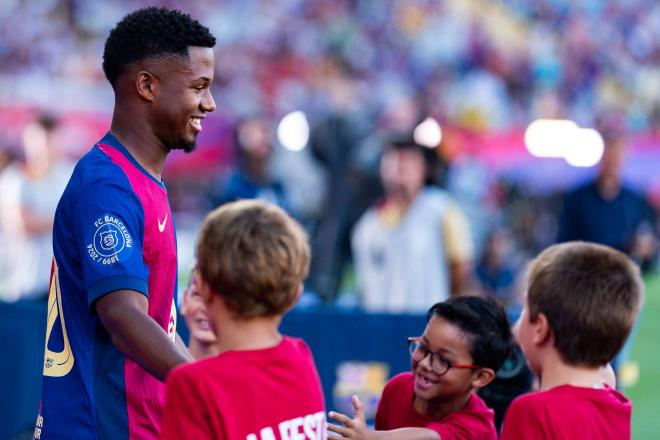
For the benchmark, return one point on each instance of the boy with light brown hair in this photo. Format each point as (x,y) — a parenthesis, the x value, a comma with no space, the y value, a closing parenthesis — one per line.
(582,300)
(252,258)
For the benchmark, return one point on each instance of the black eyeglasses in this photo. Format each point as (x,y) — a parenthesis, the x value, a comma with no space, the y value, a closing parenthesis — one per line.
(439,364)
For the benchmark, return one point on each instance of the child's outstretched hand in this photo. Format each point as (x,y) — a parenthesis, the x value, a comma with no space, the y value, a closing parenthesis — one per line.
(355,428)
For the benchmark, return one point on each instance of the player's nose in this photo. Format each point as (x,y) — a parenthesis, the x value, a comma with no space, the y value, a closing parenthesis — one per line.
(208,103)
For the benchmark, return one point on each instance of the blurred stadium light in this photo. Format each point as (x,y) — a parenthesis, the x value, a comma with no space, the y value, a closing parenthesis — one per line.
(560,138)
(428,133)
(293,131)
(587,149)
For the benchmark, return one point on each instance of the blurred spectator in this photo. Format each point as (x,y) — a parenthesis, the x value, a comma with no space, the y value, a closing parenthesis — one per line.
(413,248)
(30,195)
(494,64)
(496,271)
(351,186)
(606,211)
(8,210)
(251,177)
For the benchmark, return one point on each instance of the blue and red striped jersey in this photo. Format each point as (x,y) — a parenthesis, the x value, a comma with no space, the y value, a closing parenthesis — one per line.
(113,230)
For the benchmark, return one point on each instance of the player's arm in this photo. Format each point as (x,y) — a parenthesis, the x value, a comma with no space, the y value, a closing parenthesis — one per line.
(181,346)
(356,428)
(124,314)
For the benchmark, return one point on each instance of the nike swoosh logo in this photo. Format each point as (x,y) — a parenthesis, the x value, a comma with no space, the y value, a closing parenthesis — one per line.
(161,226)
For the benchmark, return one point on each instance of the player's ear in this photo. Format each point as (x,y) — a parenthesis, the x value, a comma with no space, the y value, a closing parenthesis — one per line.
(483,377)
(146,84)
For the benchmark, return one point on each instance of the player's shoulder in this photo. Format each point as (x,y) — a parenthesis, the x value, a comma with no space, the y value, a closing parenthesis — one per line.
(97,165)
(96,170)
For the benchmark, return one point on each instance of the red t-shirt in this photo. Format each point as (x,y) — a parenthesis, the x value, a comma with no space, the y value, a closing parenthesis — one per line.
(396,410)
(568,412)
(274,393)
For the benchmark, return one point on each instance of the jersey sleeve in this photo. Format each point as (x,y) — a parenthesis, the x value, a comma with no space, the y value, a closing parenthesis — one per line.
(108,222)
(186,414)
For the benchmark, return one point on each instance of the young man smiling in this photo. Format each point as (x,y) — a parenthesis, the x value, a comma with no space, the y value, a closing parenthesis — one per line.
(111,334)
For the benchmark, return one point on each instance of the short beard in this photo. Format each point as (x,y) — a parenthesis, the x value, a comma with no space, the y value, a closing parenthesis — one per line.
(187,147)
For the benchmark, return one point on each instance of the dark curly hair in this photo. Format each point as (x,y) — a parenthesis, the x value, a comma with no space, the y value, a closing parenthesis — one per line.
(151,32)
(485,324)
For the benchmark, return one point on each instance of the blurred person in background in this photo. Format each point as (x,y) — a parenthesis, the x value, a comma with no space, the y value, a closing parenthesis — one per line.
(337,143)
(414,247)
(9,176)
(348,148)
(31,191)
(252,176)
(495,270)
(202,342)
(609,212)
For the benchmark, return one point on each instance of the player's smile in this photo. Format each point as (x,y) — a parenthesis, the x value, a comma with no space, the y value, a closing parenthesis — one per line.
(196,123)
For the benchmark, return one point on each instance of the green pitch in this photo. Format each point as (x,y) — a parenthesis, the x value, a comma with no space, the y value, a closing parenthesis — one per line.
(645,394)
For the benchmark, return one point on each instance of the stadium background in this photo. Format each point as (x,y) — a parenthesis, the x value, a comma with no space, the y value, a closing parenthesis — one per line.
(483,69)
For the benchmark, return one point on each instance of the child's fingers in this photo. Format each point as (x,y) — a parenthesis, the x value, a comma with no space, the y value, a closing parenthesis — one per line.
(341,418)
(359,409)
(343,432)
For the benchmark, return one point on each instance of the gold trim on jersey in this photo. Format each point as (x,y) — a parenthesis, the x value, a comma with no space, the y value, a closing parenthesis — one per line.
(56,364)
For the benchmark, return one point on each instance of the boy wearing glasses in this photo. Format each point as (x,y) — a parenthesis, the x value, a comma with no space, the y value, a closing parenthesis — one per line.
(582,300)
(465,342)
(251,260)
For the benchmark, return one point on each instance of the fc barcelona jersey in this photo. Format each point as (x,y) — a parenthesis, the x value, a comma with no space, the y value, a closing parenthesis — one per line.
(113,230)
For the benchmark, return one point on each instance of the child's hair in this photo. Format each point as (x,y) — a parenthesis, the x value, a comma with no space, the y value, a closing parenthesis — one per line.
(485,324)
(254,256)
(590,295)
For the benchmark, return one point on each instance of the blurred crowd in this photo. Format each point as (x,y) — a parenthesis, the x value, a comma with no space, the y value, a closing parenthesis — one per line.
(366,73)
(481,64)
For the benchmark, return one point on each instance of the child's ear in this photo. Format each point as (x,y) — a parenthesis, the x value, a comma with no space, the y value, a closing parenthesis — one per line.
(541,332)
(301,288)
(483,377)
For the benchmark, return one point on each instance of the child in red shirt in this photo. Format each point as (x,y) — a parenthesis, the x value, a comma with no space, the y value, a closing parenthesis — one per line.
(465,342)
(582,300)
(251,259)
